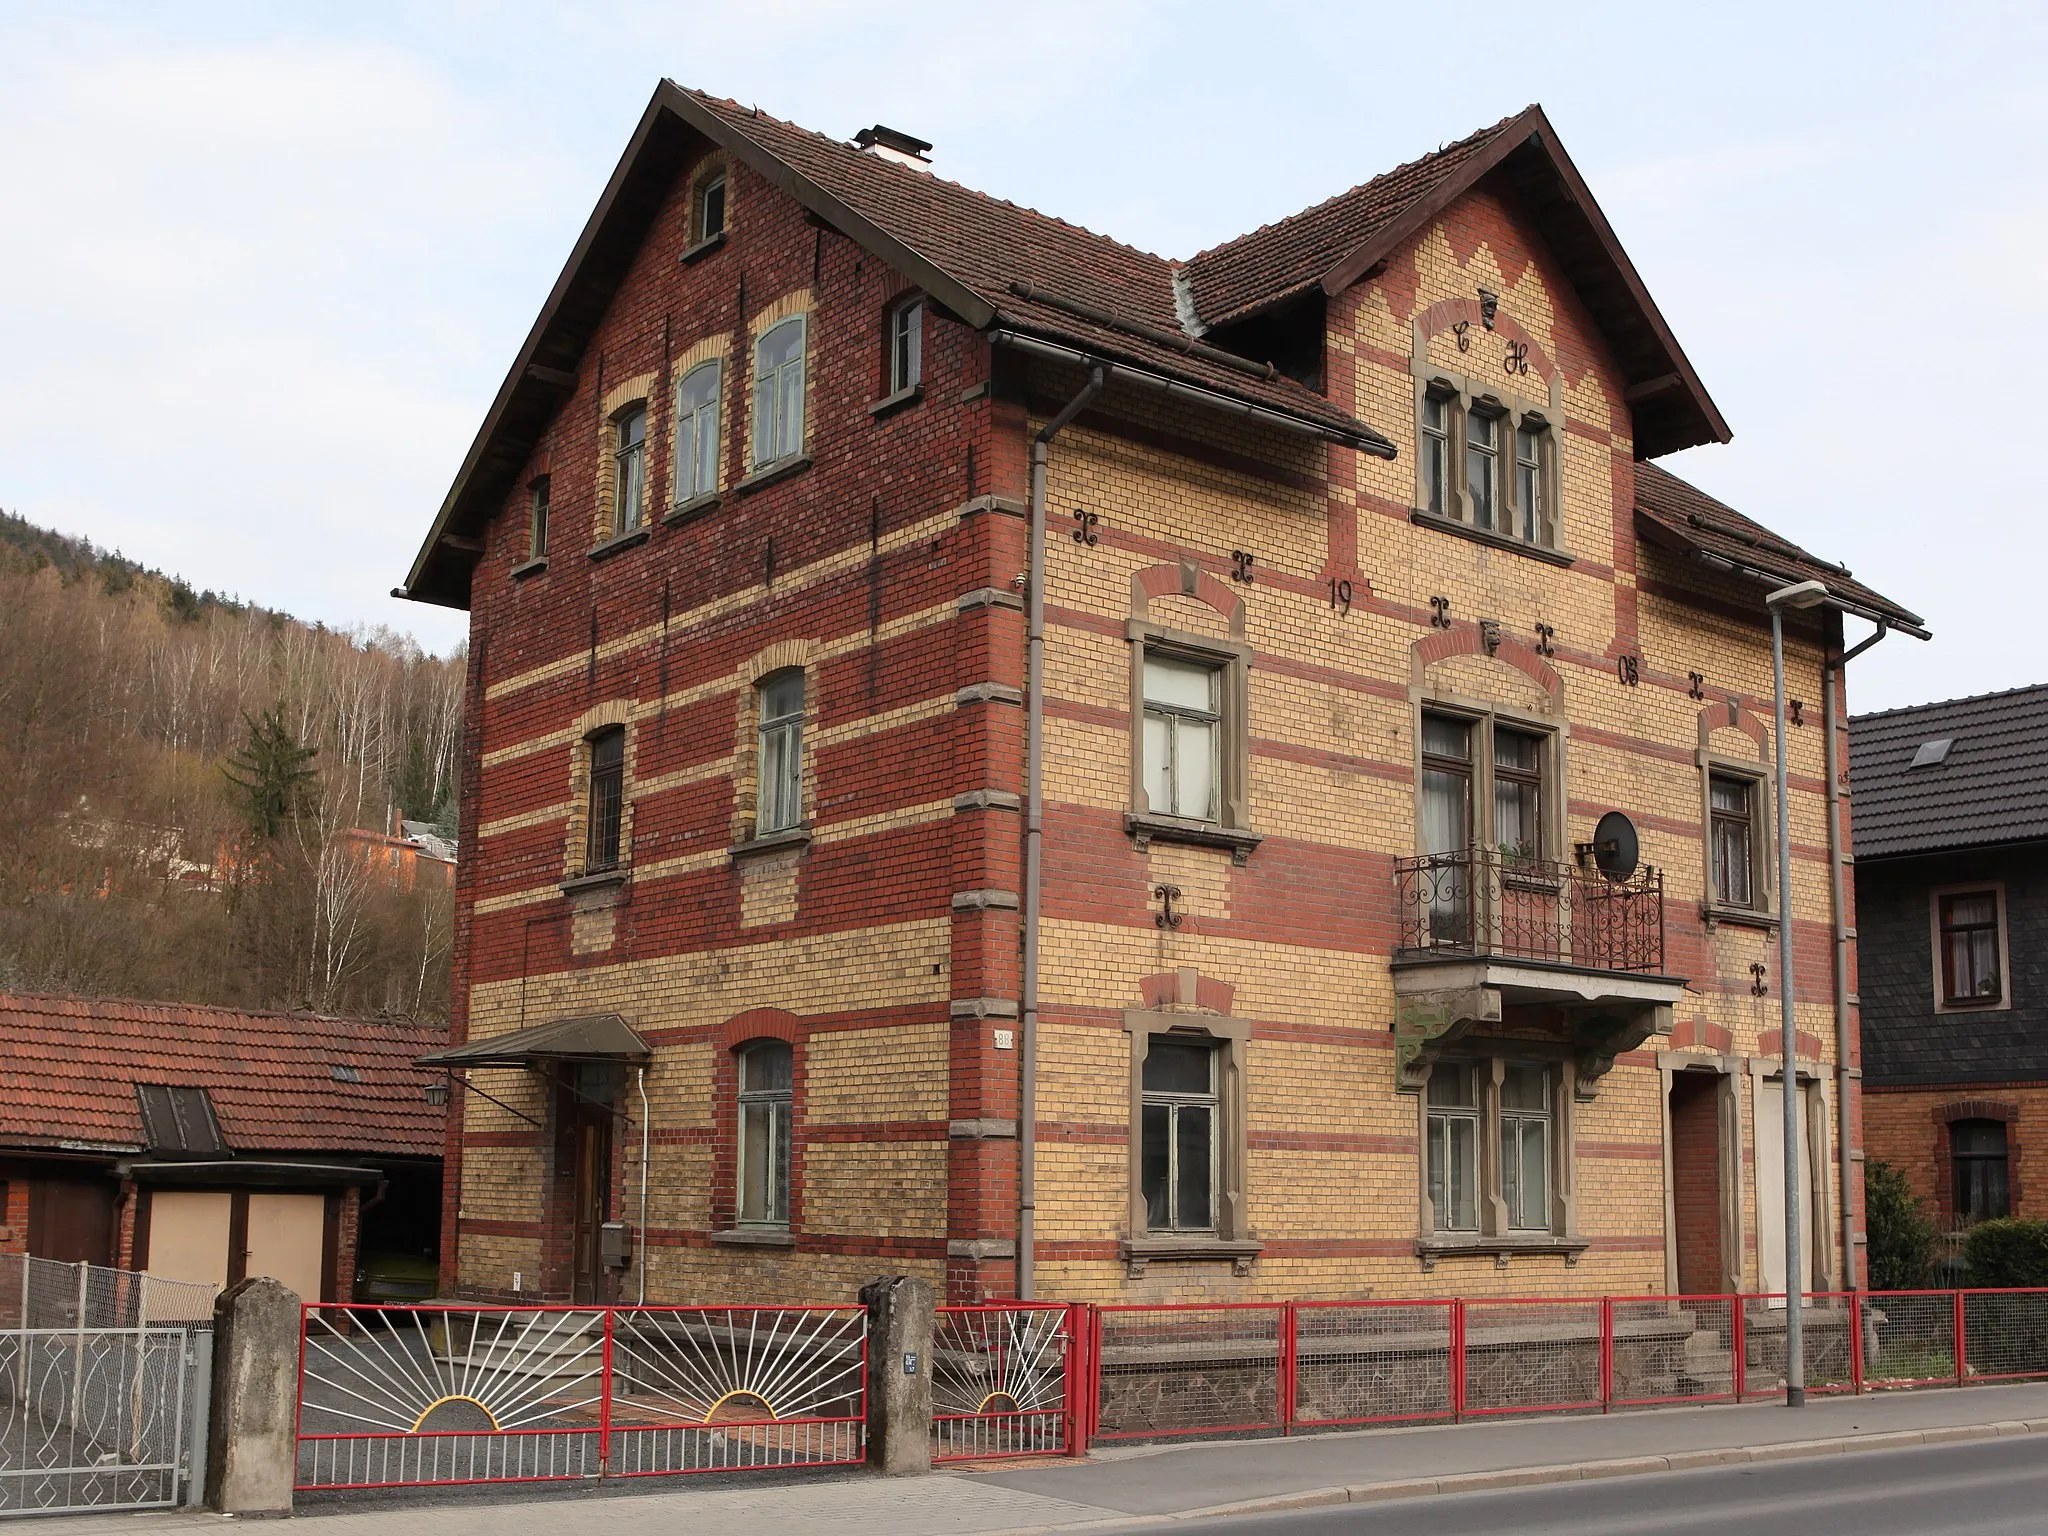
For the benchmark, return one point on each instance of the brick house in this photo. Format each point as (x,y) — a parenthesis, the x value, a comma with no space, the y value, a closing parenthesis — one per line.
(211,1144)
(1362,606)
(1952,895)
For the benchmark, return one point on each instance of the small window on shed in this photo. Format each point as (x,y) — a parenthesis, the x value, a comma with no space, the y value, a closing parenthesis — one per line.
(179,1122)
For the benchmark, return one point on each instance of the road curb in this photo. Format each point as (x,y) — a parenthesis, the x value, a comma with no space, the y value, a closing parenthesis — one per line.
(1562,1472)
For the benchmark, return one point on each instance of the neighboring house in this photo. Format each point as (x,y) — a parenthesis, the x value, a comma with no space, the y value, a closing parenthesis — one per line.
(211,1144)
(1363,607)
(1952,899)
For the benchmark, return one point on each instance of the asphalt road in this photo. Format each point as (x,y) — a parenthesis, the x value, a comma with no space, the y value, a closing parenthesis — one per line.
(1977,1488)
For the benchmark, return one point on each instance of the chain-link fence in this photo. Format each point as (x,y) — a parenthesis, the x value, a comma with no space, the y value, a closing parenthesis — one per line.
(41,1293)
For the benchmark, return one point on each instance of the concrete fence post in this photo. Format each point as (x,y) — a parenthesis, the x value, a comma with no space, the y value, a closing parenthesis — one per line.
(252,1441)
(900,1316)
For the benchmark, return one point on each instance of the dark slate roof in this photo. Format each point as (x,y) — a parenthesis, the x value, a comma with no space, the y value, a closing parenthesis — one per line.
(1992,786)
(1679,515)
(69,1066)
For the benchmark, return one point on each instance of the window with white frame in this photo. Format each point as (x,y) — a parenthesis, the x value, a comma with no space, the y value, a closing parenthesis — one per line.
(707,219)
(697,397)
(1183,736)
(1482,467)
(766,1081)
(780,698)
(779,392)
(1453,1100)
(1435,455)
(906,345)
(1526,1116)
(629,468)
(1178,1151)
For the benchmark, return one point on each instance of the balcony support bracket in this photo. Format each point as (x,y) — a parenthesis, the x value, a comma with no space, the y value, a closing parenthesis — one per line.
(1603,1033)
(1428,1021)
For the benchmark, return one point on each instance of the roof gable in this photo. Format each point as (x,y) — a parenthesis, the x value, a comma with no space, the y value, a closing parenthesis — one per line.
(1338,242)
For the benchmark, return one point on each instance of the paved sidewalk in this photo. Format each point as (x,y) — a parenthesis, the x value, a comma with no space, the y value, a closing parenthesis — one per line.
(1154,1484)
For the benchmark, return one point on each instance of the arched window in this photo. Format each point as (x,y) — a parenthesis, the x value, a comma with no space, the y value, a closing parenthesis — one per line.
(607,799)
(697,432)
(1977,1151)
(779,392)
(766,1076)
(780,803)
(629,468)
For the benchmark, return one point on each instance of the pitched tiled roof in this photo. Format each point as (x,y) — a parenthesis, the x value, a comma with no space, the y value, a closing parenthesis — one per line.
(1677,514)
(1291,255)
(988,245)
(1990,786)
(69,1065)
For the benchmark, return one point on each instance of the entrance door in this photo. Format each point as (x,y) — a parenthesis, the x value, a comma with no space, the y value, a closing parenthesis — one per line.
(1696,1182)
(1770,1189)
(71,1220)
(591,1149)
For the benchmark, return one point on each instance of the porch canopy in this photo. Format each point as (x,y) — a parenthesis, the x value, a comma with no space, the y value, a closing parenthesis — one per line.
(596,1037)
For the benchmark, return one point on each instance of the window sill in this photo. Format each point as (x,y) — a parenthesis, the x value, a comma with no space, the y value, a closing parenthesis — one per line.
(1489,538)
(1738,917)
(755,1237)
(1442,1245)
(1188,1247)
(701,249)
(695,507)
(1146,829)
(768,474)
(531,567)
(888,405)
(597,880)
(619,543)
(770,842)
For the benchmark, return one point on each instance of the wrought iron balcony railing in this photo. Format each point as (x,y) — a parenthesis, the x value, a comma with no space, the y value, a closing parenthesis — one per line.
(1483,902)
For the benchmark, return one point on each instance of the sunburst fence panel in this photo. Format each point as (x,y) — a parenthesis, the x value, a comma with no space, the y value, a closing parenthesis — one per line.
(1002,1381)
(393,1396)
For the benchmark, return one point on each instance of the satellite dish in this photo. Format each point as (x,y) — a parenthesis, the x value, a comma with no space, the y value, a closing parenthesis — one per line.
(1616,846)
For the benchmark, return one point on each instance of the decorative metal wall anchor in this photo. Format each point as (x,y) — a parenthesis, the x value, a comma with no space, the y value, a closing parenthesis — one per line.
(1796,710)
(1517,360)
(1698,690)
(1489,306)
(1085,521)
(1629,669)
(1463,331)
(1758,986)
(1546,640)
(1166,917)
(1241,566)
(1439,613)
(1489,635)
(1340,594)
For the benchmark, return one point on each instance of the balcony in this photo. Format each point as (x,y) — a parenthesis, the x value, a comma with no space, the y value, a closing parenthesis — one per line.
(1482,932)
(1479,902)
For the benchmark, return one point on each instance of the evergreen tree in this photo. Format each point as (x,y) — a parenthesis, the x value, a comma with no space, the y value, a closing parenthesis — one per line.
(271,773)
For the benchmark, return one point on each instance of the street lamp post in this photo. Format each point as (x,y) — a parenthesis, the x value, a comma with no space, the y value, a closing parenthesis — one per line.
(1805,594)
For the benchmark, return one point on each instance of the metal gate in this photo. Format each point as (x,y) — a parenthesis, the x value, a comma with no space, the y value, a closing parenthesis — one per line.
(100,1408)
(1005,1380)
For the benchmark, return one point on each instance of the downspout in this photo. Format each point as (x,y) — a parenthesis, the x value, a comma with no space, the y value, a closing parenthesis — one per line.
(640,1078)
(1034,835)
(1830,699)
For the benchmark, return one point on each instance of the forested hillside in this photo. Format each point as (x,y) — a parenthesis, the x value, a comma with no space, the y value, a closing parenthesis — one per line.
(175,771)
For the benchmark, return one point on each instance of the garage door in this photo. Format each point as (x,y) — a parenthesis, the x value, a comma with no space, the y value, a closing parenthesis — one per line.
(287,1240)
(188,1234)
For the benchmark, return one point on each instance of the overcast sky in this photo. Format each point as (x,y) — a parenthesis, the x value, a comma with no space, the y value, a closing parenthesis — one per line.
(264,265)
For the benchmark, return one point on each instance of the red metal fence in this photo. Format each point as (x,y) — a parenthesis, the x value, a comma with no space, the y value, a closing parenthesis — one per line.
(393,1396)
(1205,1369)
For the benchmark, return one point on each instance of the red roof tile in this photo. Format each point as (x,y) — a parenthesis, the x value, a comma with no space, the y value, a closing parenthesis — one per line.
(69,1065)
